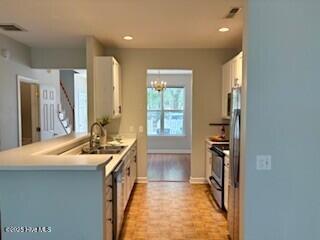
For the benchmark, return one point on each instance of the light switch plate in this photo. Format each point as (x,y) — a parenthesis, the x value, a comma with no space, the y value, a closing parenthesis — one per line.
(264,162)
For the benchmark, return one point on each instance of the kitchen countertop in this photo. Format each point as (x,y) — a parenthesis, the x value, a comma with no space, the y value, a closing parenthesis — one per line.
(42,156)
(128,142)
(227,153)
(211,142)
(116,158)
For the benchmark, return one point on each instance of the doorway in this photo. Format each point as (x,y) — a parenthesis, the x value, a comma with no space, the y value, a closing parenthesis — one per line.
(28,111)
(169,118)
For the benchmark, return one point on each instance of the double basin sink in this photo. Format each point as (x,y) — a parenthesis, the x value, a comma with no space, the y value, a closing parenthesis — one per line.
(85,149)
(103,150)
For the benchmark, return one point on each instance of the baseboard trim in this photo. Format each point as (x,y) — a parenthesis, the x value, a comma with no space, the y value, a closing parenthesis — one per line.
(142,180)
(198,180)
(170,151)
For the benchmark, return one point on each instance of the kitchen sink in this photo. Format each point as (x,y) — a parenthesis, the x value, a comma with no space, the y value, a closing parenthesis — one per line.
(103,150)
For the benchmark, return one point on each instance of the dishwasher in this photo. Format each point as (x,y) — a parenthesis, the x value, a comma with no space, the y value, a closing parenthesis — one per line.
(118,199)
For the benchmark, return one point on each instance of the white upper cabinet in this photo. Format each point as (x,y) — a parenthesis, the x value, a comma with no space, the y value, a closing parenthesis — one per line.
(226,88)
(107,87)
(231,77)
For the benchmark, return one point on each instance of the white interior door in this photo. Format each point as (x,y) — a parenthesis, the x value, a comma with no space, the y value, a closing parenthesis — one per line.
(48,111)
(35,113)
(80,100)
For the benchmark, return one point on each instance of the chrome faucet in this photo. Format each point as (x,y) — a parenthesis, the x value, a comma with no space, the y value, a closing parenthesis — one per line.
(92,140)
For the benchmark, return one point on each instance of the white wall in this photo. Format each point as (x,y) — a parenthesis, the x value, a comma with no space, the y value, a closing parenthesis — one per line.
(18,64)
(207,74)
(174,144)
(282,120)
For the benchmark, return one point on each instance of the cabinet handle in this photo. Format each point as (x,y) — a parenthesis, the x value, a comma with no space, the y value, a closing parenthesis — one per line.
(110,220)
(110,186)
(120,110)
(128,171)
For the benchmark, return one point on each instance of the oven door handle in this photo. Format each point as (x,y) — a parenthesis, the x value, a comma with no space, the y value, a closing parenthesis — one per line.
(215,184)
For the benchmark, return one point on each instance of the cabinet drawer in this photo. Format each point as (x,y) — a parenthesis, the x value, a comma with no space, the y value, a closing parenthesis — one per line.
(108,184)
(109,221)
(109,180)
(134,150)
(109,195)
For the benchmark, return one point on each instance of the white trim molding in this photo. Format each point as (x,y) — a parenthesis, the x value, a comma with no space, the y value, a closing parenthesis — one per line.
(200,180)
(142,180)
(170,151)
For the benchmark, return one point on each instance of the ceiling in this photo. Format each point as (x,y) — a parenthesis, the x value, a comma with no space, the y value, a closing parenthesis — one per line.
(152,23)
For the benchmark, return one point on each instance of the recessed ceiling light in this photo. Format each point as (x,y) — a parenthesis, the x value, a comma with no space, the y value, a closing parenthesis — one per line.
(224,29)
(128,38)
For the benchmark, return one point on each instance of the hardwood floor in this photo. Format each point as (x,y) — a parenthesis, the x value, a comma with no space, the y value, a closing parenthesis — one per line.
(173,211)
(169,167)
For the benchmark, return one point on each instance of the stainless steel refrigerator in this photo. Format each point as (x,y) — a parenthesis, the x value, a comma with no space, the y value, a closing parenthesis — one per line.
(233,207)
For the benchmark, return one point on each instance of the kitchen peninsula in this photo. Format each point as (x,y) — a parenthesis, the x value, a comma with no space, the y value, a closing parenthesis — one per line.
(69,196)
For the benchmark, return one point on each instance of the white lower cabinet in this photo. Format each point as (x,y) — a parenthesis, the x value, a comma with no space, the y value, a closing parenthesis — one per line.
(108,208)
(129,179)
(133,167)
(109,224)
(130,172)
(127,170)
(208,161)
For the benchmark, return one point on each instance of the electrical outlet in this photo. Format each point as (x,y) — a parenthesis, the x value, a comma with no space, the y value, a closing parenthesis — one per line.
(264,163)
(140,129)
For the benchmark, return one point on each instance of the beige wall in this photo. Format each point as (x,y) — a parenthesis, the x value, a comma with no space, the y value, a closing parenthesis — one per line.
(93,48)
(207,73)
(58,58)
(17,64)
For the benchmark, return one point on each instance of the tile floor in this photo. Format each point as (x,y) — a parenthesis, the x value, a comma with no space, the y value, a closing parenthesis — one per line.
(172,211)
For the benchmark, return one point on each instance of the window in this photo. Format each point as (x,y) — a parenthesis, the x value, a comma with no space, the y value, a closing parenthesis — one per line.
(166,112)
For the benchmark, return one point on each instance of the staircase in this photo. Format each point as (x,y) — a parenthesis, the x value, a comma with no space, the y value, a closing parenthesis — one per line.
(66,111)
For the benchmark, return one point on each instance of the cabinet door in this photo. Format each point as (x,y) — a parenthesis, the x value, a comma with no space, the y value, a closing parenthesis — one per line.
(133,170)
(233,75)
(109,208)
(239,69)
(116,89)
(127,181)
(208,162)
(236,71)
(226,88)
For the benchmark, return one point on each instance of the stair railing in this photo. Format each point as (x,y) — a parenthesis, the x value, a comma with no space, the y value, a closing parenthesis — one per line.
(71,108)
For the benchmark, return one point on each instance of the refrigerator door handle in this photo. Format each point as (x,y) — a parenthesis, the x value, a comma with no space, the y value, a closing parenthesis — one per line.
(236,148)
(232,173)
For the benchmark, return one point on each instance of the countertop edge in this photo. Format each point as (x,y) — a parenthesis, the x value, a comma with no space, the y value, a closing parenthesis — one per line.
(116,159)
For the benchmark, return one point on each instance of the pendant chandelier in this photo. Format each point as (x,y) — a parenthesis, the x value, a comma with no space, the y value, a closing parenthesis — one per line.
(159,86)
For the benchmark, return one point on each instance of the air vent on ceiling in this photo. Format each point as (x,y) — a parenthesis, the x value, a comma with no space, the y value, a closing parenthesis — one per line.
(233,12)
(11,27)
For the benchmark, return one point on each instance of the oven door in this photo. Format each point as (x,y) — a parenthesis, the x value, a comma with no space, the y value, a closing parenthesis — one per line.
(217,192)
(217,167)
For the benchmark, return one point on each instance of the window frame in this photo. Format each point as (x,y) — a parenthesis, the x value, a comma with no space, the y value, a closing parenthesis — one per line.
(162,111)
